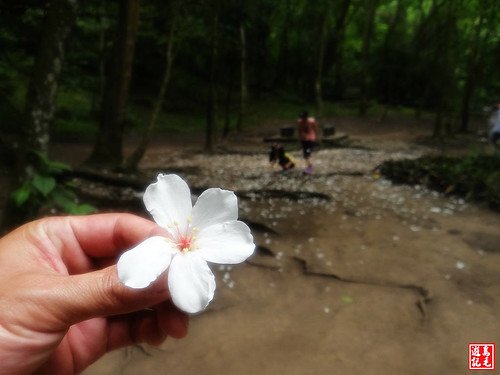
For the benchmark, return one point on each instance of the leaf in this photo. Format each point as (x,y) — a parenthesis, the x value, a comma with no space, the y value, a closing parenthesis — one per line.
(57,167)
(347,299)
(21,195)
(42,158)
(48,166)
(44,184)
(82,209)
(62,200)
(64,191)
(65,199)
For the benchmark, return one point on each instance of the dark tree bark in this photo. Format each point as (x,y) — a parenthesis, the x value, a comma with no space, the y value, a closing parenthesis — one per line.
(442,69)
(134,159)
(318,82)
(40,99)
(371,9)
(243,77)
(227,110)
(421,43)
(259,59)
(212,92)
(437,131)
(108,149)
(336,46)
(282,68)
(473,64)
(98,95)
(40,103)
(391,39)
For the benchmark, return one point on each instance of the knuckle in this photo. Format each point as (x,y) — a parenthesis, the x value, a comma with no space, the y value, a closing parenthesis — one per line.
(111,292)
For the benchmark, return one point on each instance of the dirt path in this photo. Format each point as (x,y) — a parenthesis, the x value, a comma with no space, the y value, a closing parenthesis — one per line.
(368,278)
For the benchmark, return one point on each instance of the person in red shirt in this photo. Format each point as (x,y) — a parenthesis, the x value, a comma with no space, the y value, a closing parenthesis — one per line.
(308,132)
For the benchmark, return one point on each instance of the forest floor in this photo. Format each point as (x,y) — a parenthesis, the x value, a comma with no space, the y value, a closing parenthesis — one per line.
(352,275)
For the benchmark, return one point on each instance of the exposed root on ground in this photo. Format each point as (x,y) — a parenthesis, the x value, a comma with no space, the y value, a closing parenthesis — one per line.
(276,193)
(271,267)
(423,293)
(265,251)
(256,226)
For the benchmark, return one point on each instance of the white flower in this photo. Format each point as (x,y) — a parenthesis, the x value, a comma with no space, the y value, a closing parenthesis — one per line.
(206,232)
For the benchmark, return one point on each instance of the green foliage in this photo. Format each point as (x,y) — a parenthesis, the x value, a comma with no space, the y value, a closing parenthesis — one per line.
(21,195)
(475,177)
(43,184)
(42,189)
(419,57)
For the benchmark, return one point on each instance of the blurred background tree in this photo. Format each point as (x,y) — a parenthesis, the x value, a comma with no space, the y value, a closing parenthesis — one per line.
(31,172)
(232,57)
(432,55)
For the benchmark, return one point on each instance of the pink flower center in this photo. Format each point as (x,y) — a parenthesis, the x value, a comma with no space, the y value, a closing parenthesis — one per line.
(184,238)
(184,243)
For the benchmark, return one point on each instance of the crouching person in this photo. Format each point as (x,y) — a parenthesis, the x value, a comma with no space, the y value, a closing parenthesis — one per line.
(277,155)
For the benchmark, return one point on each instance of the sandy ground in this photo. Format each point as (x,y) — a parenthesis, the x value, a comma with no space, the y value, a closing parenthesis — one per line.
(356,276)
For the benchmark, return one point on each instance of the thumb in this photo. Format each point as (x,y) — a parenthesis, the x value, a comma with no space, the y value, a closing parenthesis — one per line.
(100,293)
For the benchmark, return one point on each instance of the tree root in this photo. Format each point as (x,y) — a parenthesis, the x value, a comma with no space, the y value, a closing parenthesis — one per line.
(275,193)
(423,293)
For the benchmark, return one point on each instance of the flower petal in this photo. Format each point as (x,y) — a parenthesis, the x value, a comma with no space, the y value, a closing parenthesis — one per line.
(214,206)
(140,266)
(226,243)
(190,282)
(169,202)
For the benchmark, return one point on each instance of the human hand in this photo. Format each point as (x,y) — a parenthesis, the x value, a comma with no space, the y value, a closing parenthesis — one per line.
(62,305)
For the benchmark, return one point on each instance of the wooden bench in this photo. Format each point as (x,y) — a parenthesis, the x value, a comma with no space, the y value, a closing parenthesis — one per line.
(328,136)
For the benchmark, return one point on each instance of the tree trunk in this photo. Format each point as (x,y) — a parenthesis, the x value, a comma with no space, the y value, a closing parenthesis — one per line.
(392,38)
(243,78)
(371,8)
(41,95)
(134,159)
(40,104)
(227,111)
(443,78)
(393,30)
(321,60)
(469,87)
(438,125)
(108,149)
(472,71)
(97,96)
(337,40)
(212,94)
(281,76)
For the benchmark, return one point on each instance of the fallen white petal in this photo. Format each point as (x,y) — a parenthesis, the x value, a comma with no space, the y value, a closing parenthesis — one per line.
(226,243)
(169,202)
(214,206)
(140,266)
(190,282)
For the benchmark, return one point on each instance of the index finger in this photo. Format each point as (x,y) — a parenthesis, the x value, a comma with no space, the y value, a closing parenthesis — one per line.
(97,236)
(107,235)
